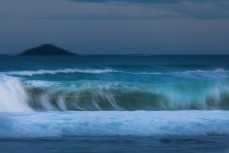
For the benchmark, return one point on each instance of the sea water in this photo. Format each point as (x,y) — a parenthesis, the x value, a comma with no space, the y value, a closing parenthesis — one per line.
(114,103)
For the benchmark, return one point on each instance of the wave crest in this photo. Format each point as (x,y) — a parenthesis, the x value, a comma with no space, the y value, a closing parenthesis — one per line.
(13,96)
(42,72)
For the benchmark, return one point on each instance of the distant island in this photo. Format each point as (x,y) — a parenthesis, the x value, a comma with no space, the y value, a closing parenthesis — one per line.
(46,49)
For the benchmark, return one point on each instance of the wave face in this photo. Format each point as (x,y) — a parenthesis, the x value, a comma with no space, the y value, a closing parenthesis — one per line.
(117,83)
(137,123)
(88,96)
(19,95)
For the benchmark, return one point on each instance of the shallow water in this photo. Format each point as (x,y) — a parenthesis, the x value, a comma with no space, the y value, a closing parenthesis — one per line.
(165,144)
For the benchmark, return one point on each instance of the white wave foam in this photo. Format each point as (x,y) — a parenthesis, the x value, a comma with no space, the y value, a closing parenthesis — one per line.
(141,73)
(190,73)
(202,74)
(13,97)
(39,83)
(219,71)
(41,72)
(124,123)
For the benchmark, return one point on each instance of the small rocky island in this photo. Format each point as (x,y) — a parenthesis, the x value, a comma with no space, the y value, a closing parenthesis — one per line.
(46,49)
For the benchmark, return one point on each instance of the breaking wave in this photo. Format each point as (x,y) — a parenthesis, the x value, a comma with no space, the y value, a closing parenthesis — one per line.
(13,96)
(42,72)
(186,73)
(22,95)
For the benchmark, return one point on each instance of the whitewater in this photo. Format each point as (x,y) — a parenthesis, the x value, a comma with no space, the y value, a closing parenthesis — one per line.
(117,96)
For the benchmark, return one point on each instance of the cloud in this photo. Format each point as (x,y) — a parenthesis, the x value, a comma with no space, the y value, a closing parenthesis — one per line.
(128,1)
(114,9)
(147,1)
(151,9)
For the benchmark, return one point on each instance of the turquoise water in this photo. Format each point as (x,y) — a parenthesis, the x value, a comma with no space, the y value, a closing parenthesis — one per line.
(89,83)
(127,97)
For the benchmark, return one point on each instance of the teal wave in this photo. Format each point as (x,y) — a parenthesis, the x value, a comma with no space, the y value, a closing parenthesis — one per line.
(97,95)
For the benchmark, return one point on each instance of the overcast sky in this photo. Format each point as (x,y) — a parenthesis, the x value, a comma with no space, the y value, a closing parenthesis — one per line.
(116,26)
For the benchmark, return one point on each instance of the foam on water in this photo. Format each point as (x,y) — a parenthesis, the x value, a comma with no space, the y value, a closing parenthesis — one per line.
(43,97)
(109,123)
(68,70)
(198,74)
(13,97)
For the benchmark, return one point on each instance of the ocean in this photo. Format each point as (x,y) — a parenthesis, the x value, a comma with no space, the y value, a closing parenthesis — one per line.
(114,103)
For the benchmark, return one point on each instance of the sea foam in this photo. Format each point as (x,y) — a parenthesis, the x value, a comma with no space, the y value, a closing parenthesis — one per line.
(114,123)
(68,70)
(13,97)
(198,74)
